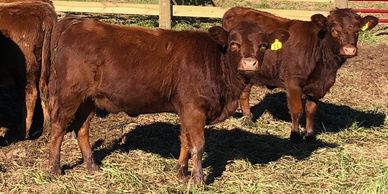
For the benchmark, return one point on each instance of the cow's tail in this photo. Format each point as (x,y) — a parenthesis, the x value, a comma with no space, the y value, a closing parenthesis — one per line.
(58,30)
(48,27)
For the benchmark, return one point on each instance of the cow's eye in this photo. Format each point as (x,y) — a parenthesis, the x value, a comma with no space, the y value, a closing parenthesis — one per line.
(263,47)
(234,46)
(334,32)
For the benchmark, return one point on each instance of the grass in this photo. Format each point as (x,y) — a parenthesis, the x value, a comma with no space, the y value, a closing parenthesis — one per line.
(367,37)
(138,155)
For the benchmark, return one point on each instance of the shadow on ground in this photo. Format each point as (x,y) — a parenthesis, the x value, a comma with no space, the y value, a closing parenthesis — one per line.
(329,117)
(222,146)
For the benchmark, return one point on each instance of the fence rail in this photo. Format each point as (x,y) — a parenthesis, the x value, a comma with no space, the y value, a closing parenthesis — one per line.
(177,10)
(369,10)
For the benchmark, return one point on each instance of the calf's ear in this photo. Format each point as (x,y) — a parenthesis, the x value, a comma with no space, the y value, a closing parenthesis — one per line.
(319,19)
(277,38)
(218,34)
(368,22)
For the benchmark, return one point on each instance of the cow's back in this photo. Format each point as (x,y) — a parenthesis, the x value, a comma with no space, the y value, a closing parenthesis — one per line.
(23,16)
(267,21)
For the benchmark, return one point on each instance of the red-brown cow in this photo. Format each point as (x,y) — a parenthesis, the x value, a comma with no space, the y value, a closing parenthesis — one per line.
(137,70)
(29,24)
(309,61)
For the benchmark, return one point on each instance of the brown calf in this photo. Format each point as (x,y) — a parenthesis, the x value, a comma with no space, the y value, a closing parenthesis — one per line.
(29,24)
(136,70)
(309,61)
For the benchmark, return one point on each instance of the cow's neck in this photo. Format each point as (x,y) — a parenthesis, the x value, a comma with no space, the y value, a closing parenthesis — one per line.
(233,85)
(324,74)
(330,56)
(234,81)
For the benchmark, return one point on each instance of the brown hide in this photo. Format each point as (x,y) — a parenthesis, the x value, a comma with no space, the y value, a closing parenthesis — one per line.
(137,70)
(29,24)
(309,61)
(28,1)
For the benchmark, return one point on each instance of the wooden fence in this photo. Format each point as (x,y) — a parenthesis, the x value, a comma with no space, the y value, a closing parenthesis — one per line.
(369,10)
(165,10)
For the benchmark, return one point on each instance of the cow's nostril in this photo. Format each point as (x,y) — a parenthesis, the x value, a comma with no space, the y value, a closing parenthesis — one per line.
(249,64)
(349,50)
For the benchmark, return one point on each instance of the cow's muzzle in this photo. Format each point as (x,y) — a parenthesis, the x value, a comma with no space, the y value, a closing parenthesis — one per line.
(248,64)
(348,51)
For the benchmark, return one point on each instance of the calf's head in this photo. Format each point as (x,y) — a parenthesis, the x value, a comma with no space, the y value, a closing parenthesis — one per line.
(245,44)
(344,26)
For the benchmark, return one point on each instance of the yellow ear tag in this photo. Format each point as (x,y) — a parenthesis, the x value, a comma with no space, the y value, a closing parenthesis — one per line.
(276,45)
(365,27)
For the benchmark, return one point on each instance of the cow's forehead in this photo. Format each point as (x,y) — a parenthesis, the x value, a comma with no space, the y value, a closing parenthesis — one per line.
(246,28)
(344,17)
(248,35)
(258,37)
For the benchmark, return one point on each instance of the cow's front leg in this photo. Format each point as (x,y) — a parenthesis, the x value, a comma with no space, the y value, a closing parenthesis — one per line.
(310,109)
(193,119)
(294,98)
(182,164)
(244,106)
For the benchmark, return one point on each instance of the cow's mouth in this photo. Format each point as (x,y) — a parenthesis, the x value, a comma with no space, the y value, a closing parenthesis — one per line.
(247,73)
(348,56)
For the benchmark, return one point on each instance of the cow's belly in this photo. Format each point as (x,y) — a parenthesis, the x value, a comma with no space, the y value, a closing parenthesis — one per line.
(319,88)
(133,103)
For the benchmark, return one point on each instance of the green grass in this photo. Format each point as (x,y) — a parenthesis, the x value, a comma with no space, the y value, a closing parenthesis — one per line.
(367,37)
(262,4)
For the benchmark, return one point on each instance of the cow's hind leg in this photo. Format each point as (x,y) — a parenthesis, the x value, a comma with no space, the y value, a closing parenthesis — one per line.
(62,113)
(310,109)
(193,119)
(81,127)
(31,96)
(57,134)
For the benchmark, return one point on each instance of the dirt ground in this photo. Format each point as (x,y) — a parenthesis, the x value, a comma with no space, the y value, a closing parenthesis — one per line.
(359,97)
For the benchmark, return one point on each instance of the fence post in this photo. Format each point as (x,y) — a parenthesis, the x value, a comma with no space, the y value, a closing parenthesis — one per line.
(165,14)
(341,3)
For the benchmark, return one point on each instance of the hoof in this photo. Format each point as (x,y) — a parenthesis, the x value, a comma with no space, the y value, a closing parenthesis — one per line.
(198,179)
(182,172)
(55,171)
(296,137)
(310,139)
(93,169)
(247,121)
(182,178)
